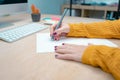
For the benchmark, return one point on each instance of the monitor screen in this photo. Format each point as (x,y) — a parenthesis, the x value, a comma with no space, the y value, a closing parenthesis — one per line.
(11,7)
(12,1)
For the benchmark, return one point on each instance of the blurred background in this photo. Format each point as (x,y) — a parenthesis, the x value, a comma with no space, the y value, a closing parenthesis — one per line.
(56,7)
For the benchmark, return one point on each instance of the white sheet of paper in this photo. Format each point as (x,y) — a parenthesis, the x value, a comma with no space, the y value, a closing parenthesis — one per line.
(45,44)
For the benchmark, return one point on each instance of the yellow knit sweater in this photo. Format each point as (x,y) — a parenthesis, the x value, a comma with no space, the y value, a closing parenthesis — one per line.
(108,58)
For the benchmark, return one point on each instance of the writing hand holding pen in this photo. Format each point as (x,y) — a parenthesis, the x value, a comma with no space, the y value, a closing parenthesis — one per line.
(60,32)
(57,30)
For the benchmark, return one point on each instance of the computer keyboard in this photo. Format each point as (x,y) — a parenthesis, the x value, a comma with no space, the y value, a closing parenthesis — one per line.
(17,33)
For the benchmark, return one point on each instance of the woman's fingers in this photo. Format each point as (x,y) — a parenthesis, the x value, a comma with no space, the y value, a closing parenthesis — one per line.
(62,51)
(70,51)
(52,28)
(56,33)
(62,31)
(64,56)
(57,37)
(59,31)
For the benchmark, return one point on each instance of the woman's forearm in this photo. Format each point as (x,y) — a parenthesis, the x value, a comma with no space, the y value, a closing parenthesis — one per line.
(106,29)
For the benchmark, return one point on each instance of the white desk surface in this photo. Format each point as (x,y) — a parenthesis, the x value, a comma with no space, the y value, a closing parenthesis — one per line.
(19,60)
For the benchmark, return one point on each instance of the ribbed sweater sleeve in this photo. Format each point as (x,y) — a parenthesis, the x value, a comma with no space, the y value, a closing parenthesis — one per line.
(107,58)
(105,29)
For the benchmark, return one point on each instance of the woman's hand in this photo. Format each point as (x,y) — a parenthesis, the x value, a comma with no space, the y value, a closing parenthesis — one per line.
(62,31)
(70,52)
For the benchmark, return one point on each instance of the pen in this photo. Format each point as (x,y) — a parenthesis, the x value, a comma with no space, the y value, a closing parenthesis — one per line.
(59,23)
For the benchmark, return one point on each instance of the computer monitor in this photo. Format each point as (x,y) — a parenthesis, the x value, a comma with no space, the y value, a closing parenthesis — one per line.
(8,7)
(11,7)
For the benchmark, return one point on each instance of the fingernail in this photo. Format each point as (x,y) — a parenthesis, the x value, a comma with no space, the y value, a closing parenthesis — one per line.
(56,56)
(55,47)
(55,39)
(63,43)
(54,33)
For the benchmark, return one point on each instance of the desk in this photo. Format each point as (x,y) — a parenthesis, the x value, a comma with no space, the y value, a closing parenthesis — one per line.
(19,60)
